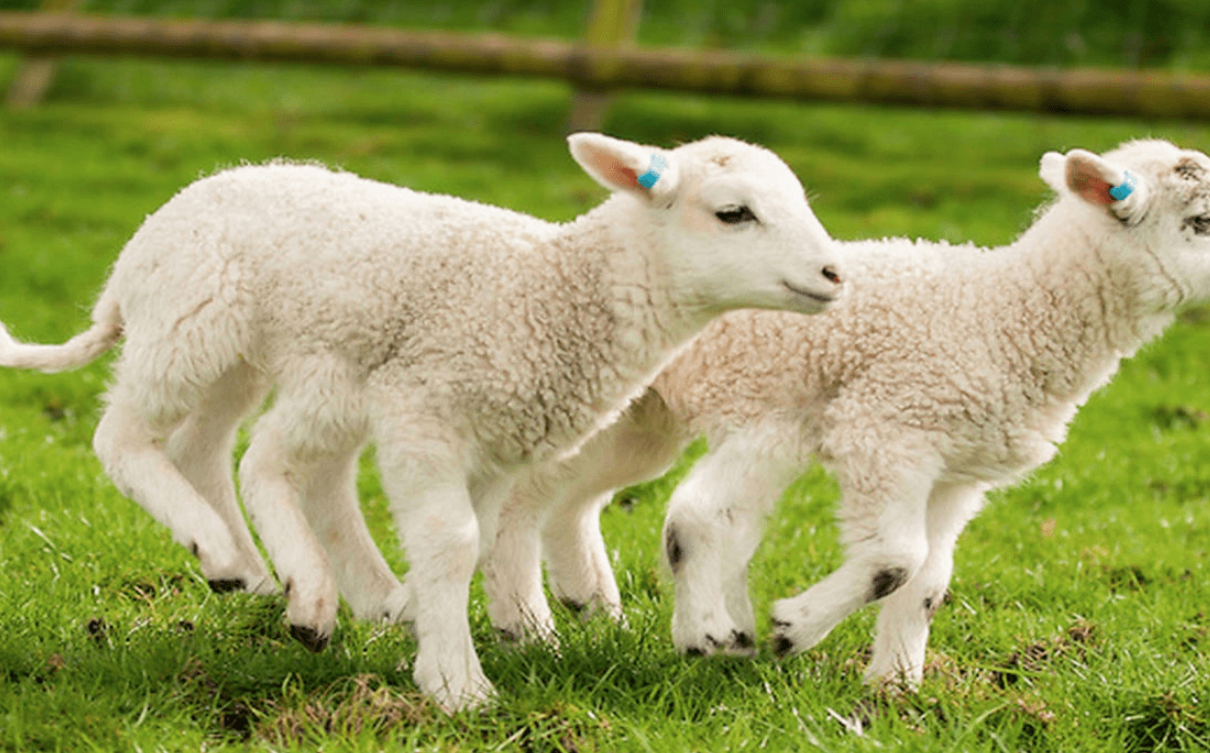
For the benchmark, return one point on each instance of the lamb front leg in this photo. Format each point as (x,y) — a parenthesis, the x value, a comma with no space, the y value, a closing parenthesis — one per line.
(512,570)
(641,445)
(580,574)
(884,525)
(714,525)
(430,499)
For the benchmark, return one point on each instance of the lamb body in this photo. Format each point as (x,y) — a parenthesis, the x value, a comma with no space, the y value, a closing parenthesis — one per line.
(467,341)
(946,371)
(335,277)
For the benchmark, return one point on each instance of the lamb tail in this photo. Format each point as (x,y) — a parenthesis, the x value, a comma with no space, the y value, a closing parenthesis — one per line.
(82,349)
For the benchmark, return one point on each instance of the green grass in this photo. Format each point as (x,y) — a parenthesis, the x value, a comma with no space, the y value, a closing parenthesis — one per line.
(1079,611)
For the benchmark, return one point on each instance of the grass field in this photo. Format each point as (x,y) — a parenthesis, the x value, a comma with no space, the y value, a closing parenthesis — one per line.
(1078,619)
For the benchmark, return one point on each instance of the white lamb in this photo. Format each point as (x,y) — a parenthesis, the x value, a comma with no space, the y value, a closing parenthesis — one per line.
(467,341)
(945,372)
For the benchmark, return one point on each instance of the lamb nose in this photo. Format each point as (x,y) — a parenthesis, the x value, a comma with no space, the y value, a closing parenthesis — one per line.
(832,275)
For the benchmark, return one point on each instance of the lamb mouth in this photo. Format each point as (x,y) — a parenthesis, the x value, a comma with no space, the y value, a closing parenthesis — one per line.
(821,297)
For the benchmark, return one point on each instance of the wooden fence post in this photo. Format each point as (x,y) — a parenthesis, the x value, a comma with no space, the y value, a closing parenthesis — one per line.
(612,24)
(36,72)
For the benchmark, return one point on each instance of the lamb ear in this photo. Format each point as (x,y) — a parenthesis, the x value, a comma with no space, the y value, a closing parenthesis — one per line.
(625,166)
(1090,177)
(1101,182)
(1053,171)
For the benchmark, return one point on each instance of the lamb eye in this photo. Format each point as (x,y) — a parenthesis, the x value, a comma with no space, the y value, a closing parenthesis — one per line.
(735,215)
(1200,225)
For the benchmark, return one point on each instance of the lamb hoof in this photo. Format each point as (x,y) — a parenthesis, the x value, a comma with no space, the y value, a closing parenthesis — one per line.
(782,644)
(742,644)
(576,607)
(226,585)
(309,637)
(738,643)
(709,647)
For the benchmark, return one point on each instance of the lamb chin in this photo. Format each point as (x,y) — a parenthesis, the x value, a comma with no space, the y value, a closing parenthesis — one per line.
(814,301)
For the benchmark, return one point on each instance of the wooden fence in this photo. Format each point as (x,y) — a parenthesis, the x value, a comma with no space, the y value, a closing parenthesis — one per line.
(1152,94)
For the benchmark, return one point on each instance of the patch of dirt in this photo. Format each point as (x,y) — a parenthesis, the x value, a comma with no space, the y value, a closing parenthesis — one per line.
(368,703)
(1034,658)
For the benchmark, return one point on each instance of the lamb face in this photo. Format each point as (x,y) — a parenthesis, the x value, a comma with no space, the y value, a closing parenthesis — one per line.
(1167,213)
(1181,220)
(710,197)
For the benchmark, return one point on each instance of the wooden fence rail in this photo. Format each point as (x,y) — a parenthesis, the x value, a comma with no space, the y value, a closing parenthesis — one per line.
(990,87)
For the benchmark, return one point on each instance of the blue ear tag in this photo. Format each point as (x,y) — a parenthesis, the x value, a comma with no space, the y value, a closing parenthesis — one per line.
(658,163)
(1127,187)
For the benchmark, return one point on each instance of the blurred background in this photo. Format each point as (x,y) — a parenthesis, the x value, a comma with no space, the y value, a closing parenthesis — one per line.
(1126,33)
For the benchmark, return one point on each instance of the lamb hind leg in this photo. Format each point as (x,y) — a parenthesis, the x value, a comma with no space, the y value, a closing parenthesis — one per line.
(903,622)
(130,448)
(201,449)
(883,522)
(329,500)
(269,474)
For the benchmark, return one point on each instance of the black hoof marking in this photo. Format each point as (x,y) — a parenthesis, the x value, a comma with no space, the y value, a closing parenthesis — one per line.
(673,549)
(577,607)
(226,585)
(887,581)
(742,640)
(782,645)
(932,604)
(309,637)
(695,651)
(98,629)
(930,608)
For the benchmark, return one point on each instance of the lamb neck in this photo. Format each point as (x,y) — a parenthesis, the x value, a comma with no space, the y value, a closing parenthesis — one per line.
(1086,310)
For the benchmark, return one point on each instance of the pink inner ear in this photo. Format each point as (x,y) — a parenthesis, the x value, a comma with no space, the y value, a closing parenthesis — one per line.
(620,175)
(612,170)
(1091,187)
